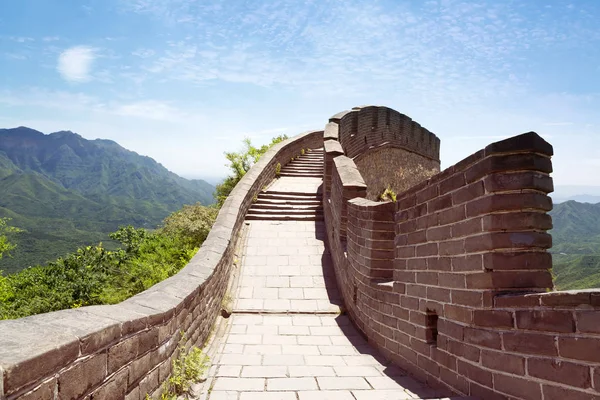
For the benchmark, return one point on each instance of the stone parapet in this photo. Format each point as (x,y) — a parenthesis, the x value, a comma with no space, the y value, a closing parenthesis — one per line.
(125,350)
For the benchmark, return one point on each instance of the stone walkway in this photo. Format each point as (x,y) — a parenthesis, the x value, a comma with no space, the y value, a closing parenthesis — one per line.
(286,338)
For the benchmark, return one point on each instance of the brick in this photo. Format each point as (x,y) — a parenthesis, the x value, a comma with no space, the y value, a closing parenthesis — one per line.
(455,380)
(507,240)
(500,361)
(475,373)
(483,337)
(508,202)
(77,380)
(588,321)
(517,387)
(501,182)
(438,294)
(452,183)
(467,298)
(529,343)
(417,237)
(468,193)
(426,250)
(452,215)
(465,228)
(561,393)
(471,262)
(451,280)
(426,194)
(529,141)
(122,353)
(452,247)
(560,371)
(457,313)
(439,264)
(517,221)
(427,278)
(596,379)
(443,358)
(42,392)
(493,318)
(545,320)
(509,280)
(439,203)
(586,349)
(482,392)
(439,233)
(512,260)
(517,300)
(451,329)
(463,350)
(505,163)
(139,368)
(115,388)
(565,299)
(416,290)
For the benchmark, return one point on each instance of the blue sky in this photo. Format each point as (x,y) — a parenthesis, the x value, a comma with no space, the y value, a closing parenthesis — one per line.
(185,80)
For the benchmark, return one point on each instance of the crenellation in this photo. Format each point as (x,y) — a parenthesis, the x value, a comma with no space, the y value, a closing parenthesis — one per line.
(470,269)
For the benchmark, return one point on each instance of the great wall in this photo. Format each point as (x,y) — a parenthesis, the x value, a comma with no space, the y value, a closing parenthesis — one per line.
(444,292)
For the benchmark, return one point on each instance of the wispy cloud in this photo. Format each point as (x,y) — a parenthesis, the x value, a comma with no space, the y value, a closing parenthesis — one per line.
(75,63)
(50,38)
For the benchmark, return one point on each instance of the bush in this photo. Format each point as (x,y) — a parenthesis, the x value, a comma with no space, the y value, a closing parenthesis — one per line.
(278,169)
(388,194)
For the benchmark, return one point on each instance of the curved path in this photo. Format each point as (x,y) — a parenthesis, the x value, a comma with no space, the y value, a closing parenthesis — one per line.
(286,338)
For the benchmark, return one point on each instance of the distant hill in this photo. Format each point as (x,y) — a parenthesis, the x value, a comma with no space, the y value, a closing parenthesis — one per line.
(576,245)
(67,191)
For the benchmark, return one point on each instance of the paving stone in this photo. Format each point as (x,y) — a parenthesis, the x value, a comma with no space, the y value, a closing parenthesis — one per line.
(328,395)
(264,372)
(240,359)
(239,384)
(398,394)
(262,349)
(267,396)
(288,359)
(287,384)
(227,395)
(342,383)
(303,371)
(229,370)
(357,371)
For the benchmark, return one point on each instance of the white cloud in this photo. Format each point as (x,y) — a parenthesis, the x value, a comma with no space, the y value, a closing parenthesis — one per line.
(75,63)
(150,109)
(50,38)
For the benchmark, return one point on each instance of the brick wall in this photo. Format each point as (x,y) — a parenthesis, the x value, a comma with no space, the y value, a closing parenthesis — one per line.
(463,302)
(124,351)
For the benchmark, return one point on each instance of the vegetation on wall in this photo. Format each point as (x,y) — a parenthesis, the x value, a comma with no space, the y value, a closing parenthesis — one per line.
(240,163)
(95,275)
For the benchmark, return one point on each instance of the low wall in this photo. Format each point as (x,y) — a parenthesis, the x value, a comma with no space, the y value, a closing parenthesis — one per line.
(125,350)
(451,281)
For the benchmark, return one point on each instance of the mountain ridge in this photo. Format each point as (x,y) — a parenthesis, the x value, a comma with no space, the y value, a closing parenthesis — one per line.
(81,187)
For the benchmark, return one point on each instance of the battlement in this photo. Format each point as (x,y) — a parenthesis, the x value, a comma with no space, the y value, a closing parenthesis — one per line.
(451,281)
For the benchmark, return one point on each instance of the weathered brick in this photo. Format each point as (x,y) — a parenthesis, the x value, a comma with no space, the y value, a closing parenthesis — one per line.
(77,380)
(451,280)
(439,263)
(45,391)
(451,215)
(122,353)
(468,193)
(452,183)
(500,361)
(517,181)
(509,280)
(458,313)
(561,393)
(588,321)
(520,388)
(560,371)
(483,337)
(529,343)
(517,221)
(115,388)
(493,318)
(512,260)
(439,203)
(439,233)
(586,349)
(475,373)
(508,240)
(470,262)
(545,320)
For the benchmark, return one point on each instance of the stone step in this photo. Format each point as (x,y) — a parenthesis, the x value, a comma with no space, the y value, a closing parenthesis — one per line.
(271,206)
(292,195)
(283,217)
(287,211)
(302,175)
(303,167)
(307,202)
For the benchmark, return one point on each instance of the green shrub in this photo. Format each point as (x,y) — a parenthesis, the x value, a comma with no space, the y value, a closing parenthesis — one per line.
(278,169)
(302,152)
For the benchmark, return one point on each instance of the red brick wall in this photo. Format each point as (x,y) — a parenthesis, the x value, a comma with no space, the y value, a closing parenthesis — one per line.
(462,303)
(125,350)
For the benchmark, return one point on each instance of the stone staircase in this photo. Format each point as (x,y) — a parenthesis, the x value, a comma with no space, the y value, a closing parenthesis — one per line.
(309,165)
(274,205)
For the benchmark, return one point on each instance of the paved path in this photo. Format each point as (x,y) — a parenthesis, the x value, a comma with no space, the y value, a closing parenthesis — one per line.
(286,338)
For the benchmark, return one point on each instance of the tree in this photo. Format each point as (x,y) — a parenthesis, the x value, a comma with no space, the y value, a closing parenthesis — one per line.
(240,163)
(5,245)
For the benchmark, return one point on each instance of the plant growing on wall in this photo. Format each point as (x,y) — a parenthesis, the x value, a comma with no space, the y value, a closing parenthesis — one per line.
(388,194)
(278,169)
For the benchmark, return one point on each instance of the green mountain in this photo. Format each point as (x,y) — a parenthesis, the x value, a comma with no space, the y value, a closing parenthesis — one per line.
(576,245)
(66,191)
